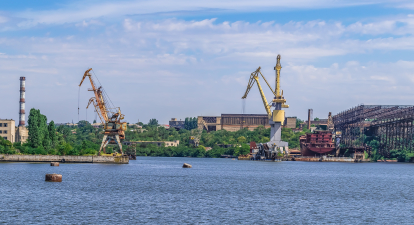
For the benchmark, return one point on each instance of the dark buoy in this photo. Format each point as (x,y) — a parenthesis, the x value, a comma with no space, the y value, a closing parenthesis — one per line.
(54,177)
(186,165)
(54,164)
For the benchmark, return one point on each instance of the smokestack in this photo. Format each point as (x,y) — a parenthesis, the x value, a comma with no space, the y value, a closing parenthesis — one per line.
(309,118)
(22,114)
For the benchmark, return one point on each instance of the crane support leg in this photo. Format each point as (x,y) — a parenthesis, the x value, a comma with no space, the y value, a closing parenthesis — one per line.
(104,143)
(119,143)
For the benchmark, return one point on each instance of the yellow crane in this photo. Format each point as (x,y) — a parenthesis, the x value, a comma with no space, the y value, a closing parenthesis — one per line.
(114,129)
(254,78)
(277,117)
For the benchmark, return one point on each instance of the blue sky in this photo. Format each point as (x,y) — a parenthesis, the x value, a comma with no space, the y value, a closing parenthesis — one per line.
(162,59)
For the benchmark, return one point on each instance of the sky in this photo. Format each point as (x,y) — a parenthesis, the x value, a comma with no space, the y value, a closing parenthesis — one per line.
(176,59)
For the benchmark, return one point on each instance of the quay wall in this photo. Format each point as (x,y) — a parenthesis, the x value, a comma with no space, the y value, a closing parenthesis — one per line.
(329,159)
(65,159)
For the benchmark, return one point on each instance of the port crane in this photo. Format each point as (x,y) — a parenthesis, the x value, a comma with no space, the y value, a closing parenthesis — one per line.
(277,116)
(114,128)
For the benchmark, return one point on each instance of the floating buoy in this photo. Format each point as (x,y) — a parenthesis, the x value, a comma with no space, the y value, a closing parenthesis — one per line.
(186,165)
(54,164)
(54,177)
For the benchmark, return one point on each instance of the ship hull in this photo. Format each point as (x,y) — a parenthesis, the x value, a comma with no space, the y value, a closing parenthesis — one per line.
(312,151)
(316,144)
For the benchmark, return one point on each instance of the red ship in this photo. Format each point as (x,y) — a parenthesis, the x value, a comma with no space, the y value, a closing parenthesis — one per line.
(317,143)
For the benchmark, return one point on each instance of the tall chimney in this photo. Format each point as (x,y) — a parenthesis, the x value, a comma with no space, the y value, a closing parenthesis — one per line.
(309,118)
(22,114)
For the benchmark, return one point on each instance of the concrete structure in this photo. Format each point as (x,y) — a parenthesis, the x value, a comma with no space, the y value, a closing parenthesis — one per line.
(233,122)
(97,125)
(320,124)
(22,134)
(166,126)
(157,143)
(22,113)
(133,125)
(8,129)
(290,122)
(65,159)
(176,124)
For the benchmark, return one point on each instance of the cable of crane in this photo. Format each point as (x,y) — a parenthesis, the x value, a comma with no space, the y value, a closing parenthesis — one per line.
(78,102)
(102,88)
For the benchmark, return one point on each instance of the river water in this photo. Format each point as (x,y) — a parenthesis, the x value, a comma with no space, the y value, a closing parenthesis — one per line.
(215,191)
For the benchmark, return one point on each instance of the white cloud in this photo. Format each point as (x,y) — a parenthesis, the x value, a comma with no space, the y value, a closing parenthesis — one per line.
(3,19)
(144,63)
(81,11)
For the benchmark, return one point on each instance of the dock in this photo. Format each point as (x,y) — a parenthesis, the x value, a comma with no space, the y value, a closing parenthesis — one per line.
(328,159)
(65,159)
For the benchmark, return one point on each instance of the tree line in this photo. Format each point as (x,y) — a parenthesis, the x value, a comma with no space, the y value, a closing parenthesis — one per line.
(85,139)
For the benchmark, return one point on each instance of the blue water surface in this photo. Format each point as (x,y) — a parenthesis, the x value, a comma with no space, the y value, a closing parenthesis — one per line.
(215,191)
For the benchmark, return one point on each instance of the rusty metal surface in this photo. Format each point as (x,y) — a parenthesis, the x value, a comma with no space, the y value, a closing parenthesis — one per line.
(390,125)
(53,177)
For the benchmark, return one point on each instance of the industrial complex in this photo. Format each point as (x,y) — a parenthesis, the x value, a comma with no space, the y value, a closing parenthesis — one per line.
(360,131)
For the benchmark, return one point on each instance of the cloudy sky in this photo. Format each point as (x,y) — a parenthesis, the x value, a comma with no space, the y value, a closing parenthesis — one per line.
(163,59)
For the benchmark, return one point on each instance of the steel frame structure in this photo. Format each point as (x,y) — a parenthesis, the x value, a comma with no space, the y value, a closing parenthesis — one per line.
(390,125)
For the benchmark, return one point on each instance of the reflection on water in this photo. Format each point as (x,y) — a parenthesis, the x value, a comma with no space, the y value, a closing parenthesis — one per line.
(158,190)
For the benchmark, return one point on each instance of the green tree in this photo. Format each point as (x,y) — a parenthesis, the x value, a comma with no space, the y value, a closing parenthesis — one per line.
(186,124)
(241,139)
(298,122)
(265,139)
(244,149)
(194,123)
(153,122)
(35,133)
(52,133)
(44,131)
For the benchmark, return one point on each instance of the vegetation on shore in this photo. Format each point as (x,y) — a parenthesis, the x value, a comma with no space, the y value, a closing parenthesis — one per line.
(85,139)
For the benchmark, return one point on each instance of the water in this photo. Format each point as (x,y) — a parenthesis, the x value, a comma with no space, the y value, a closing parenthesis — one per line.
(214,191)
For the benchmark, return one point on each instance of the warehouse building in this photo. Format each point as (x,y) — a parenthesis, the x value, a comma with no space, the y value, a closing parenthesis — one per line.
(8,129)
(233,122)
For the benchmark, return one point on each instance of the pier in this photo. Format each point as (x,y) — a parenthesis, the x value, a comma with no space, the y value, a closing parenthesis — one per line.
(65,159)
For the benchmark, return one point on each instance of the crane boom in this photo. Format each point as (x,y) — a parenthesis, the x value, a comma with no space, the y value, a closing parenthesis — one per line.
(254,78)
(98,96)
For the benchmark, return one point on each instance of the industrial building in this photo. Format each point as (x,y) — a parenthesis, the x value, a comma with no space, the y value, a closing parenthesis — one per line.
(8,129)
(176,124)
(233,122)
(290,122)
(391,126)
(157,143)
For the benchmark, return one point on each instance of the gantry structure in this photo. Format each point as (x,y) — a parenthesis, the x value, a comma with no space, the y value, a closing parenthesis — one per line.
(390,125)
